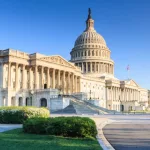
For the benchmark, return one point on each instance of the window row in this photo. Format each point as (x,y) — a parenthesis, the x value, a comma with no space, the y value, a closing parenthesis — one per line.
(104,54)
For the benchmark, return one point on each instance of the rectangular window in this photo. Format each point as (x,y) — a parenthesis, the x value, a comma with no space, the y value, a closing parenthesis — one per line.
(89,67)
(93,67)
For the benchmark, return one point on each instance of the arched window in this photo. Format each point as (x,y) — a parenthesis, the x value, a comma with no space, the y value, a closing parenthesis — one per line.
(29,101)
(88,53)
(12,101)
(20,103)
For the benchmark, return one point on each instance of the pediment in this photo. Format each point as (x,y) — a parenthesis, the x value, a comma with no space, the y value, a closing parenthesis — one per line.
(132,83)
(57,60)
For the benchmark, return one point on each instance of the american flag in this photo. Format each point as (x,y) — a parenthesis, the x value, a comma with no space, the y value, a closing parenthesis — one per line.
(128,67)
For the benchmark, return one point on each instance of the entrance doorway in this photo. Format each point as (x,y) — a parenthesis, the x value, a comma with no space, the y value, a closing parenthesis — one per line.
(45,86)
(121,107)
(43,102)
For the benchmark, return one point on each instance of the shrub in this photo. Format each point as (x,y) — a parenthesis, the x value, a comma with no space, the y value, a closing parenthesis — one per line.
(62,126)
(19,114)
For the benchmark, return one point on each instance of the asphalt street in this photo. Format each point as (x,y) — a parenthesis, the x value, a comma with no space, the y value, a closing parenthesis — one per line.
(129,132)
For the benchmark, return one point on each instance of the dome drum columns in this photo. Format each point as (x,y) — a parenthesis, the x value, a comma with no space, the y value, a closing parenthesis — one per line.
(95,67)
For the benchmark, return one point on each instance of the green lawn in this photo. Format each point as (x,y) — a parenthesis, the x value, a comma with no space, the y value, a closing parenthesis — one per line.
(17,140)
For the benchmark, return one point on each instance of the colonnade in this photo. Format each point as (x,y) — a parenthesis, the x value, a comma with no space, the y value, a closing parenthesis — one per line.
(126,94)
(40,77)
(99,67)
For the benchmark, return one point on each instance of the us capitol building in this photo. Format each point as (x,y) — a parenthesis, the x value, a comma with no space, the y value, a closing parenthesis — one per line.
(35,79)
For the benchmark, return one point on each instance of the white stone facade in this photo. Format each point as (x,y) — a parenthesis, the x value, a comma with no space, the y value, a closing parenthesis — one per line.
(34,79)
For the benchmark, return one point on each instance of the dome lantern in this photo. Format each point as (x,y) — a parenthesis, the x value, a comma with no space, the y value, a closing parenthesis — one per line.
(89,22)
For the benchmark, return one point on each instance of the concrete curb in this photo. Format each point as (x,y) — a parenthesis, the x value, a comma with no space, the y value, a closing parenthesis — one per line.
(101,138)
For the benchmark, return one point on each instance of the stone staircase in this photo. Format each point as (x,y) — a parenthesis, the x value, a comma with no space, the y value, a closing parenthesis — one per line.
(98,109)
(81,107)
(68,110)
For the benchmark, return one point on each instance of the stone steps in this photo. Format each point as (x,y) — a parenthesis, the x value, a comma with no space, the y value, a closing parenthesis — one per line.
(98,109)
(82,108)
(68,110)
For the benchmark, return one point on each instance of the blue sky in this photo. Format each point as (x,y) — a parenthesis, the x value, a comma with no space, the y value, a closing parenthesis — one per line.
(51,27)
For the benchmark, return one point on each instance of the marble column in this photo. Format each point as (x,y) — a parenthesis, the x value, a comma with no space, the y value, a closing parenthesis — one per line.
(68,83)
(95,67)
(58,79)
(16,77)
(35,80)
(79,84)
(42,74)
(124,94)
(48,78)
(86,67)
(115,92)
(112,94)
(72,83)
(30,80)
(127,94)
(82,67)
(63,82)
(9,74)
(91,67)
(111,69)
(23,76)
(98,68)
(75,78)
(53,79)
(104,67)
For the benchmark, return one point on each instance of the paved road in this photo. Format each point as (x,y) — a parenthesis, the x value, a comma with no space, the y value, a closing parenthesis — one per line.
(129,133)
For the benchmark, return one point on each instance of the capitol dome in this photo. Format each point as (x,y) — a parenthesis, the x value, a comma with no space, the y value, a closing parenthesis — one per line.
(91,53)
(90,37)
